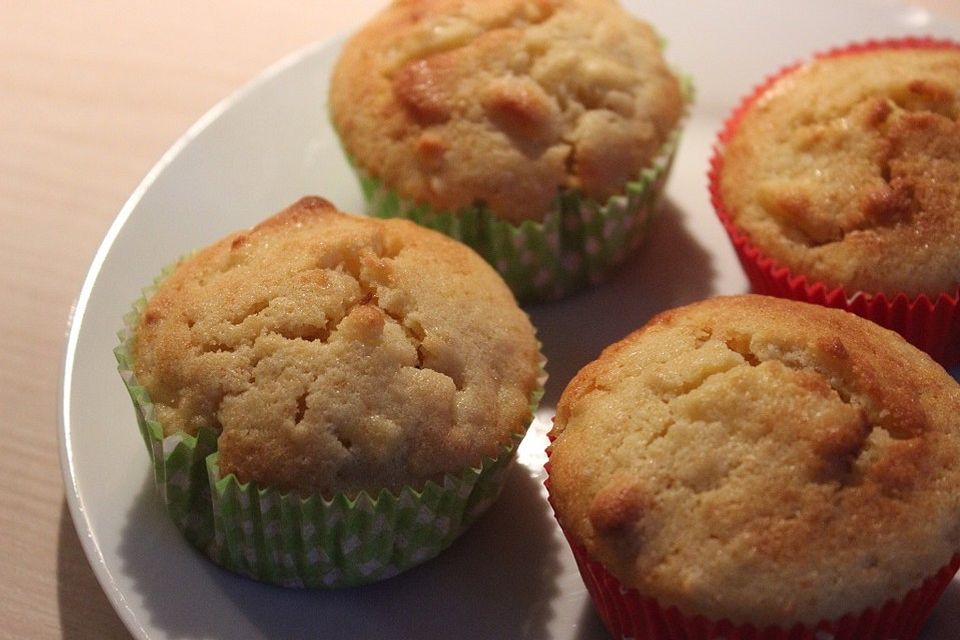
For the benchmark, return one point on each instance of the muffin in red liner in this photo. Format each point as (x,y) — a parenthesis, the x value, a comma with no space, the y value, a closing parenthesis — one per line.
(838,182)
(755,468)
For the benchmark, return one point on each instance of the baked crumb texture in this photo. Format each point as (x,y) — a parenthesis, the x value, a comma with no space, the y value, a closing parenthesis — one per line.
(338,353)
(762,461)
(504,102)
(847,170)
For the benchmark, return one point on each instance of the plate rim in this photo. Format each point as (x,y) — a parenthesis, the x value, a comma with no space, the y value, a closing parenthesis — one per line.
(78,307)
(82,524)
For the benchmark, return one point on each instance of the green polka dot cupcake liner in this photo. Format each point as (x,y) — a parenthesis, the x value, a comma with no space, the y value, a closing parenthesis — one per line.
(295,541)
(578,244)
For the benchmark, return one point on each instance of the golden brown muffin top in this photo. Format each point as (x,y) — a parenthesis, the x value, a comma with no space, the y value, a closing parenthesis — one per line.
(336,353)
(848,170)
(761,460)
(453,102)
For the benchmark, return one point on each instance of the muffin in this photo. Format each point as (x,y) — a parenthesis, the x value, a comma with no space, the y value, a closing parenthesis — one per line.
(759,466)
(329,399)
(539,132)
(839,183)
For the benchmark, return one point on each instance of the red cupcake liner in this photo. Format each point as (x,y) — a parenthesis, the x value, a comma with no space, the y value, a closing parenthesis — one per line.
(931,323)
(629,615)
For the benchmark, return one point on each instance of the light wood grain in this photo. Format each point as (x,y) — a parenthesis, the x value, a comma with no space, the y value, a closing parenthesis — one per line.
(91,94)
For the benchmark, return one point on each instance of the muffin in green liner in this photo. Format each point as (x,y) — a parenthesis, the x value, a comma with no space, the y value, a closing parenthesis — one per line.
(577,244)
(326,536)
(540,134)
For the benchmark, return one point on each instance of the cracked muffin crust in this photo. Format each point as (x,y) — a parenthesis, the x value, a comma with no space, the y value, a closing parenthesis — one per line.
(452,102)
(763,461)
(847,170)
(334,353)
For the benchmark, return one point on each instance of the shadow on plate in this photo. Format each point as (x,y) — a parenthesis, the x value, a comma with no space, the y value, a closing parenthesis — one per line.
(85,612)
(670,269)
(497,581)
(590,626)
(944,622)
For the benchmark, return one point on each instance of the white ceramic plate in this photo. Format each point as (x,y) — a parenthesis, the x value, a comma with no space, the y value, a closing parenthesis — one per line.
(511,576)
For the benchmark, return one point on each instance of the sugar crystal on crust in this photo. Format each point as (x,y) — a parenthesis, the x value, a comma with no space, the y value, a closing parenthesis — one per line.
(847,170)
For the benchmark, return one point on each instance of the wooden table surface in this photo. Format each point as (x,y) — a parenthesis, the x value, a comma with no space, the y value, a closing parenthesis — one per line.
(91,94)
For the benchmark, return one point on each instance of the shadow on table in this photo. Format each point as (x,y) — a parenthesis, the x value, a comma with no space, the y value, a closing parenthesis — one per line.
(496,581)
(85,612)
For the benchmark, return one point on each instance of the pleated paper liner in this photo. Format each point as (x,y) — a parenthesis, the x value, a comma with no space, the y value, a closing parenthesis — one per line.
(295,541)
(578,244)
(628,614)
(931,323)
